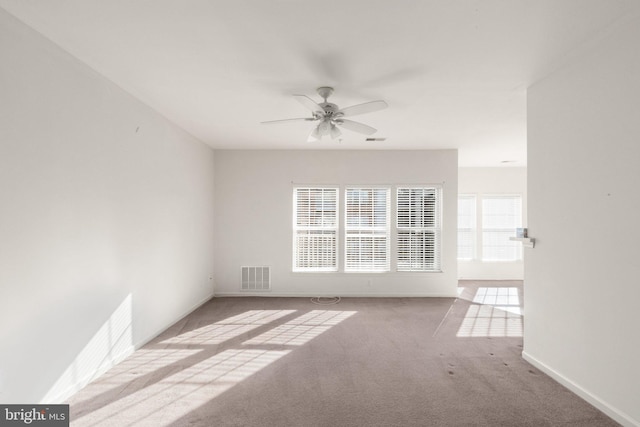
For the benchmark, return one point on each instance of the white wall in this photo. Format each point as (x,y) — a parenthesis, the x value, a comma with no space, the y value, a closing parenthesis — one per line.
(253,226)
(492,181)
(106,220)
(582,280)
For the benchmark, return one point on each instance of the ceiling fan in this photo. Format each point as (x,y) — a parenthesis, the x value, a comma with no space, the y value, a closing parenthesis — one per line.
(331,117)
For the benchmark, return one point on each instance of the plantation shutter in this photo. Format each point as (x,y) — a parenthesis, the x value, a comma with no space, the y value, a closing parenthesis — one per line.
(367,229)
(418,227)
(315,229)
(501,215)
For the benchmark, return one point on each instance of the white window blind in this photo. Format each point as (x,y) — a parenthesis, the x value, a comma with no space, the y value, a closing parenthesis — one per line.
(418,228)
(467,227)
(315,229)
(367,229)
(501,215)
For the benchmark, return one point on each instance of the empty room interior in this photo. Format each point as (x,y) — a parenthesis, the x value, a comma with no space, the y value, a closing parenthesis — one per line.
(285,213)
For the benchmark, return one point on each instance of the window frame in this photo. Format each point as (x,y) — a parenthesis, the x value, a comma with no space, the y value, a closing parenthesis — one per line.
(510,229)
(473,231)
(393,251)
(383,231)
(332,229)
(436,229)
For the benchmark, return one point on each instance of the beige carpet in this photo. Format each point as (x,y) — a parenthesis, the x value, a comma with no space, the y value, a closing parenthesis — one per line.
(360,362)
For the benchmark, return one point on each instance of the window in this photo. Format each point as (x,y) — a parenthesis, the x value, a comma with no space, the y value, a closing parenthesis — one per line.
(501,215)
(367,229)
(418,228)
(466,227)
(315,229)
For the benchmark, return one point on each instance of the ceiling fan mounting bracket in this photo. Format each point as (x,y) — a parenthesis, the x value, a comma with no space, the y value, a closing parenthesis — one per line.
(325,92)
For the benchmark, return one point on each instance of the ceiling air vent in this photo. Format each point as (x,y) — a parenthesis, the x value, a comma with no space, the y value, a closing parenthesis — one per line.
(376,139)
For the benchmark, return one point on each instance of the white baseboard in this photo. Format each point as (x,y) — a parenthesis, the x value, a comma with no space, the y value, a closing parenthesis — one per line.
(603,406)
(342,295)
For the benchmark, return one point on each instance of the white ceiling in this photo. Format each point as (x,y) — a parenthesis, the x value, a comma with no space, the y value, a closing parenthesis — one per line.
(454,72)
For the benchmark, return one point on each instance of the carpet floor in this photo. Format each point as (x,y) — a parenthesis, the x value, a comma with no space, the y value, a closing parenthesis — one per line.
(359,362)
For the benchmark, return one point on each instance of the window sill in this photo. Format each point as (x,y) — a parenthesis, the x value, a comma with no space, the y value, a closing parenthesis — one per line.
(372,273)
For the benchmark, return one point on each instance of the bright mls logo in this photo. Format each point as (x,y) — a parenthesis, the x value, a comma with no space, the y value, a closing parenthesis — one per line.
(34,415)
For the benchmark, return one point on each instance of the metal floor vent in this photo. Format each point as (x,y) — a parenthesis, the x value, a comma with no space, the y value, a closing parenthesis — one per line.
(256,278)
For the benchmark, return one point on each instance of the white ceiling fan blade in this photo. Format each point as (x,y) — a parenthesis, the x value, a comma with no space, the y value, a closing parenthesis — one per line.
(308,119)
(309,103)
(335,132)
(314,135)
(356,126)
(367,107)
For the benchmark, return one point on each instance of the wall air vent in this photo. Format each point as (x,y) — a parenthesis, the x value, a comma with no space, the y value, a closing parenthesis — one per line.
(256,278)
(376,139)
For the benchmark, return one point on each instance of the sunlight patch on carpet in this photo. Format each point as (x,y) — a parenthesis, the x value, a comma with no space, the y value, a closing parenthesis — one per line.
(229,328)
(496,312)
(302,329)
(177,395)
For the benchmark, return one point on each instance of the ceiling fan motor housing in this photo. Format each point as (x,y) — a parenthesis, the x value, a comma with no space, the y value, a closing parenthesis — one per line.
(330,110)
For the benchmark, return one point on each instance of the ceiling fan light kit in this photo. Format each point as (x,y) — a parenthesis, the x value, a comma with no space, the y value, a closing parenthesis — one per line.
(331,117)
